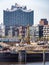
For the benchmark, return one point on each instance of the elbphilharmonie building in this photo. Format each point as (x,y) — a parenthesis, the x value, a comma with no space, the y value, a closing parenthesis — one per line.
(18,15)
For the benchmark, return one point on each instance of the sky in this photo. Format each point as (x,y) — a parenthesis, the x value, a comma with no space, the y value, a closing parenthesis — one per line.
(40,8)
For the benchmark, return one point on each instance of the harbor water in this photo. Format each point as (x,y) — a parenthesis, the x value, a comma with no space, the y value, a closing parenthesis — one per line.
(36,63)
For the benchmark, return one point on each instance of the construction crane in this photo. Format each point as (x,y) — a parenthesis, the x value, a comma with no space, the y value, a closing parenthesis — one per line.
(28,35)
(27,38)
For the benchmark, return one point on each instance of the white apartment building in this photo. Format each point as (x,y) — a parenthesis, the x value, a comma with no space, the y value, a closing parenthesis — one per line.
(46,31)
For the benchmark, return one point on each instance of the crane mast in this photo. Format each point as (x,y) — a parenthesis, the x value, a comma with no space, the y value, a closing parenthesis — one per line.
(28,35)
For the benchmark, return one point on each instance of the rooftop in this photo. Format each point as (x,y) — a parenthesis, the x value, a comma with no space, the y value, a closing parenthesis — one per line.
(18,7)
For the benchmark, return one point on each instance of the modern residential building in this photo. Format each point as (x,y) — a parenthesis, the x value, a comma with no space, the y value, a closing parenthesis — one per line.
(40,31)
(46,31)
(34,33)
(43,26)
(43,22)
(17,16)
(37,32)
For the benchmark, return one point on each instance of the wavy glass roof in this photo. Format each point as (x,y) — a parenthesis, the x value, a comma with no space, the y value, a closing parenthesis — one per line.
(18,7)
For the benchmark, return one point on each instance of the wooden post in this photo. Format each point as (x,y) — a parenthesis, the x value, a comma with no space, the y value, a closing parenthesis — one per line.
(43,57)
(22,57)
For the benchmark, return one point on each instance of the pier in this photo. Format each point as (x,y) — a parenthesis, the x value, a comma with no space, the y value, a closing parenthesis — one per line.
(29,53)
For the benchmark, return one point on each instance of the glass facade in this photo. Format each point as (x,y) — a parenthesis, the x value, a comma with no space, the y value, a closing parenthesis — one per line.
(40,31)
(18,18)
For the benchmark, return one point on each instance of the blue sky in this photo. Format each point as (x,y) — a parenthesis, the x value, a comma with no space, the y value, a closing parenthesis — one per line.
(40,7)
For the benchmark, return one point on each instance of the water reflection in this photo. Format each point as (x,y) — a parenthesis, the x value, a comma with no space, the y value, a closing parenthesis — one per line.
(38,63)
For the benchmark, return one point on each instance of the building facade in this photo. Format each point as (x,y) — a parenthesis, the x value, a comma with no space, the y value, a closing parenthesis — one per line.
(22,31)
(46,31)
(18,16)
(40,31)
(2,30)
(34,33)
(43,22)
